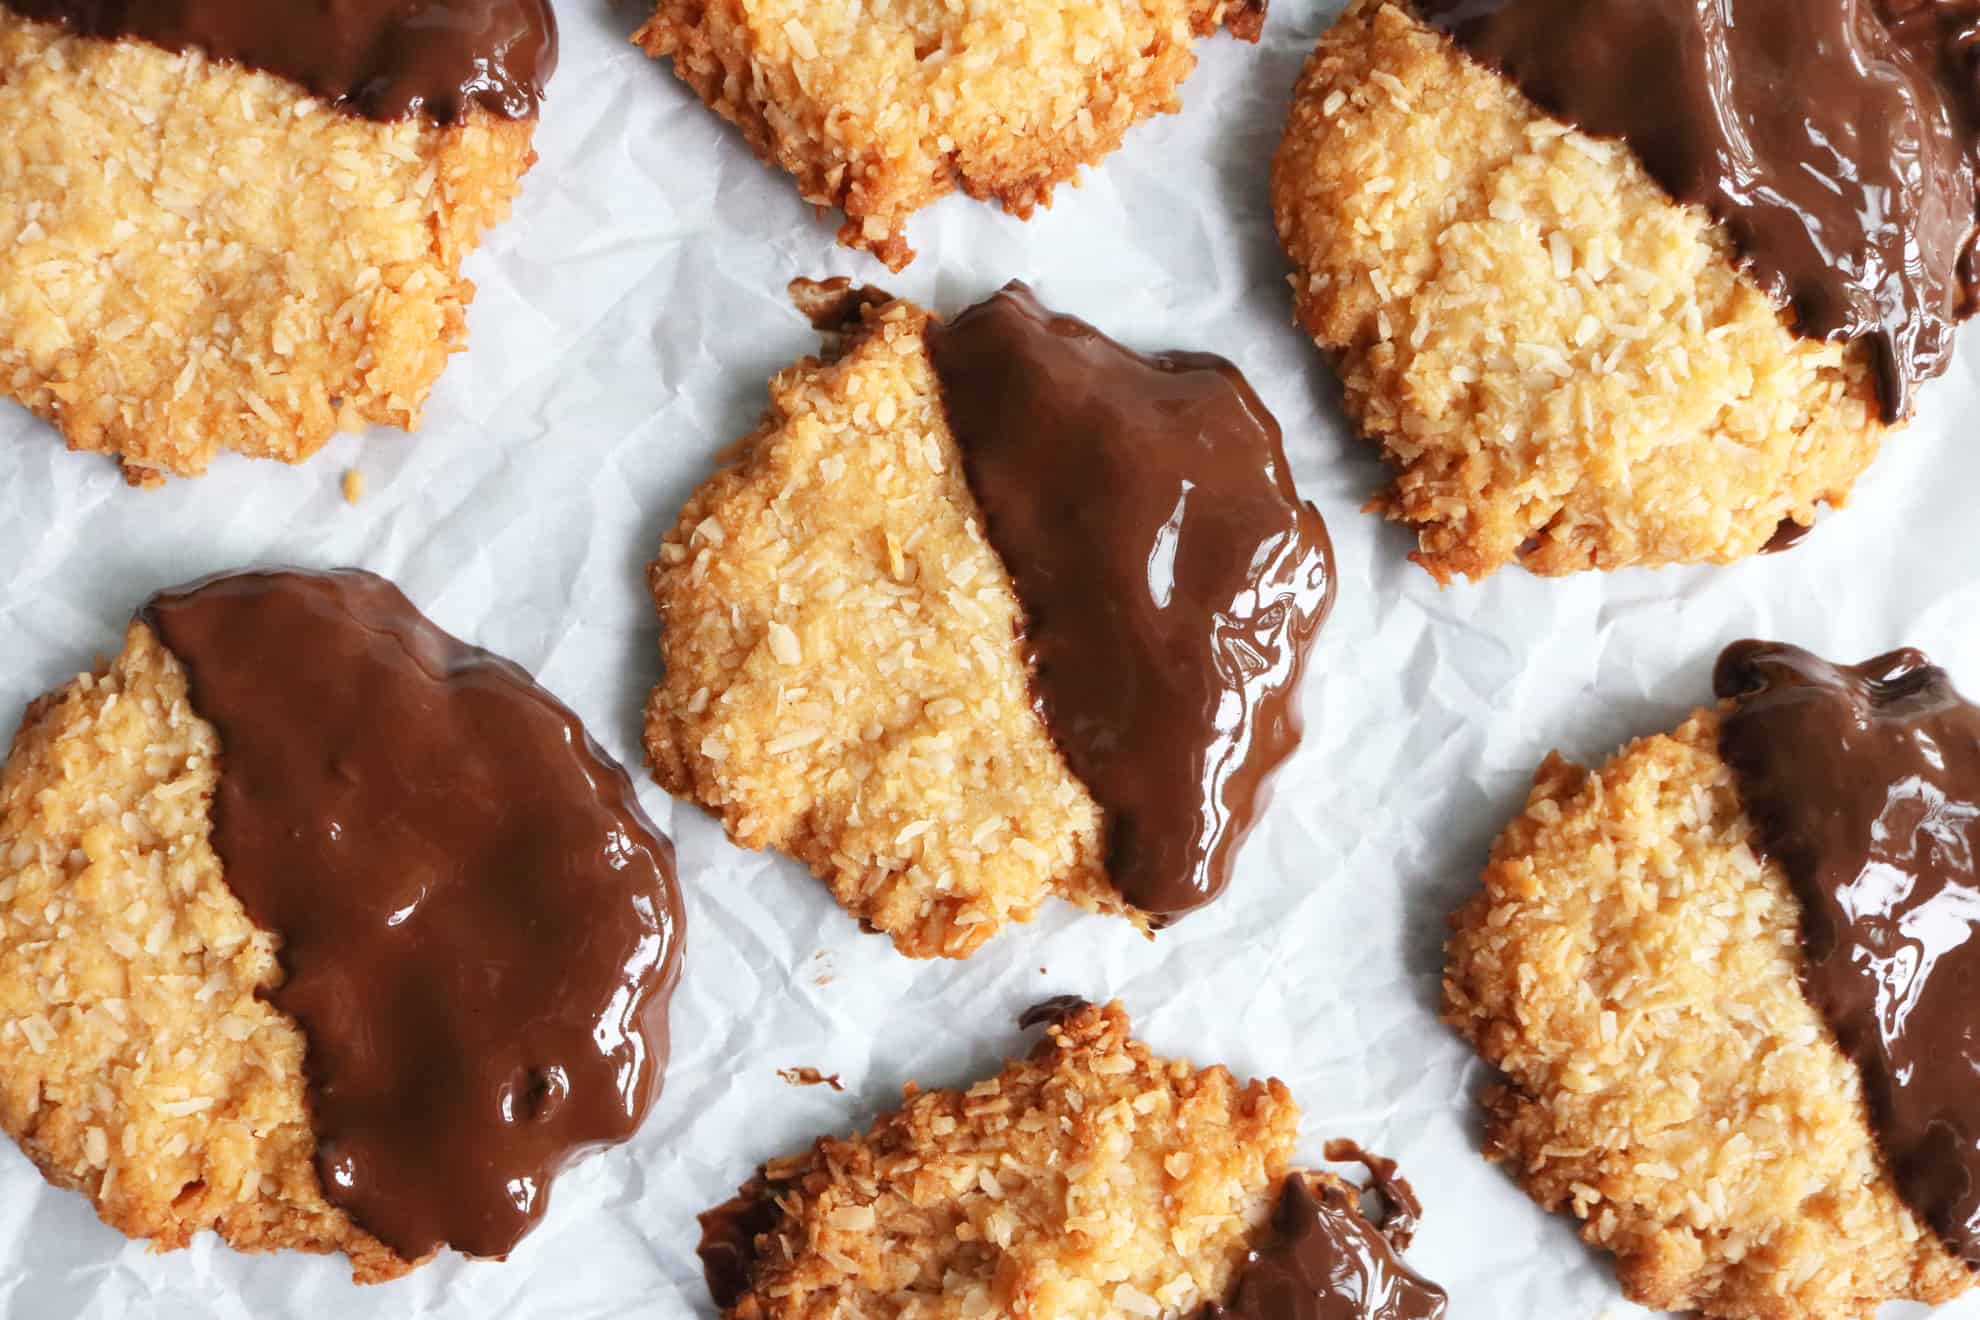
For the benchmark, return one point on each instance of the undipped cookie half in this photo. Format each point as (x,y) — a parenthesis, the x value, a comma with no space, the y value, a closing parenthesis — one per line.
(989,611)
(230,226)
(877,110)
(1728,978)
(1090,1181)
(1593,324)
(323,930)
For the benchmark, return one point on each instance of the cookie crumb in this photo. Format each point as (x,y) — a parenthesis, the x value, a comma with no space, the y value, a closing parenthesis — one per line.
(353,485)
(808,1076)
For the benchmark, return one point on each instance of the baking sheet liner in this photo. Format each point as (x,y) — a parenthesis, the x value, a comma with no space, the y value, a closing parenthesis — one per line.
(628,318)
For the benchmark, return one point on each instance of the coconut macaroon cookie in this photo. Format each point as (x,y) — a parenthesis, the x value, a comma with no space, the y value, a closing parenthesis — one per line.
(1592,328)
(880,109)
(990,611)
(237,226)
(1091,1180)
(322,930)
(1728,980)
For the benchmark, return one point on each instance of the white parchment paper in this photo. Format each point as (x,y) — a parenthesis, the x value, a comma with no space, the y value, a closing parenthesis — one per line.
(627,320)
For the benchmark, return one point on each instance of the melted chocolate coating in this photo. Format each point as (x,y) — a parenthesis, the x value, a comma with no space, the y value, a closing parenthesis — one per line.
(1325,1261)
(1401,1211)
(1171,577)
(1863,782)
(1047,1012)
(1786,537)
(479,927)
(1835,139)
(380,59)
(728,1242)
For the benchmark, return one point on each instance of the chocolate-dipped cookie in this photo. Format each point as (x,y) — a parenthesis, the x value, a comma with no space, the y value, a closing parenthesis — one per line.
(1593,327)
(1727,976)
(233,226)
(987,611)
(1091,1180)
(323,930)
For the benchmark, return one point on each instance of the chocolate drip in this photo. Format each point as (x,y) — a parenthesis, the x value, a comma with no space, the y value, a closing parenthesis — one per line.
(1863,782)
(1050,1012)
(380,59)
(1171,577)
(1324,1260)
(1786,537)
(728,1241)
(479,928)
(1835,139)
(835,305)
(1401,1211)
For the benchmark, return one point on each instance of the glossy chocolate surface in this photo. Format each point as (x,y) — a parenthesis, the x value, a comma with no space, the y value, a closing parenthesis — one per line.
(1835,139)
(1863,782)
(381,59)
(1324,1260)
(1401,1211)
(479,927)
(1171,577)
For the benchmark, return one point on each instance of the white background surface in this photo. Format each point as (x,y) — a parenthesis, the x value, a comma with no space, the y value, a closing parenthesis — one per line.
(627,321)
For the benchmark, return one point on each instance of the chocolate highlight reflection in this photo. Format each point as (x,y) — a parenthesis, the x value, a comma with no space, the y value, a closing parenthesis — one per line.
(1835,139)
(380,59)
(479,928)
(1863,782)
(1171,576)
